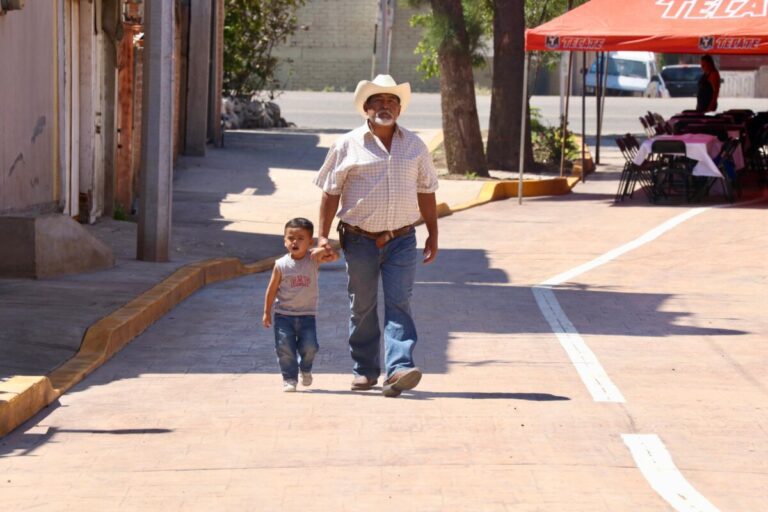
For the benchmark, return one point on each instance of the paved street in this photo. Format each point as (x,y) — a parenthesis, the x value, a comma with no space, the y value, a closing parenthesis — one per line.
(331,110)
(191,416)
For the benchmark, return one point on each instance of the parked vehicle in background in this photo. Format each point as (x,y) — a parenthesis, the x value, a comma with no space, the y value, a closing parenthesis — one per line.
(681,79)
(629,73)
(656,88)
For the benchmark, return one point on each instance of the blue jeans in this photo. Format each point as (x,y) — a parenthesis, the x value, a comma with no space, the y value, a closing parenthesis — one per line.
(396,264)
(295,344)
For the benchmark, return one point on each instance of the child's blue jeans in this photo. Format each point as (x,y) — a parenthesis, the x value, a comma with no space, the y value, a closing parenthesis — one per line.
(295,344)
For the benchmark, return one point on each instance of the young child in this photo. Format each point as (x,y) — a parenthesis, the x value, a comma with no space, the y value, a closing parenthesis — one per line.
(294,285)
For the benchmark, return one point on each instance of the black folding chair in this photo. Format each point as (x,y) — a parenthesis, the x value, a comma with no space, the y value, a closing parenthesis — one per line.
(649,132)
(632,173)
(727,167)
(673,170)
(756,153)
(625,172)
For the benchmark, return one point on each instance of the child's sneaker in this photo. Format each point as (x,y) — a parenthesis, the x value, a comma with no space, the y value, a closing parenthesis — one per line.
(289,386)
(306,379)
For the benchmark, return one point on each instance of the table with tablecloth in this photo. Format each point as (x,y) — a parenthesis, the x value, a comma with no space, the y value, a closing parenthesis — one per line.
(701,147)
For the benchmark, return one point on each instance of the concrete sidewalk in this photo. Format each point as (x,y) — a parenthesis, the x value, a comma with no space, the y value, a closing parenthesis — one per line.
(232,203)
(191,416)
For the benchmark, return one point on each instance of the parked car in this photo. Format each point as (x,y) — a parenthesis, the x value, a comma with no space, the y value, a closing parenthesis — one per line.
(681,79)
(656,88)
(629,73)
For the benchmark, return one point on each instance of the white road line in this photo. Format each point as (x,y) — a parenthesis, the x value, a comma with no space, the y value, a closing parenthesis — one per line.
(654,461)
(592,374)
(630,246)
(584,360)
(647,449)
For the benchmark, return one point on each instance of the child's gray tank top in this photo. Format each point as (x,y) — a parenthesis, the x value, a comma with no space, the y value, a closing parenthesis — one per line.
(298,290)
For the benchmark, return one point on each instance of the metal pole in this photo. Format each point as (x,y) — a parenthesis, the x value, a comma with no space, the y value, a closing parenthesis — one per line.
(583,113)
(565,116)
(522,133)
(390,23)
(154,225)
(599,92)
(373,58)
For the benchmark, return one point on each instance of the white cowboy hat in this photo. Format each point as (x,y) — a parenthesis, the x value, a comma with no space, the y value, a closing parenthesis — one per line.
(382,84)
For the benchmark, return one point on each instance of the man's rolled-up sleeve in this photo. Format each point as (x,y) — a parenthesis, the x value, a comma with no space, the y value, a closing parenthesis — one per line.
(330,177)
(427,180)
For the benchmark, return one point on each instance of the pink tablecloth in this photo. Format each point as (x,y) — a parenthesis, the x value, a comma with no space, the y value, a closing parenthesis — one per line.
(702,147)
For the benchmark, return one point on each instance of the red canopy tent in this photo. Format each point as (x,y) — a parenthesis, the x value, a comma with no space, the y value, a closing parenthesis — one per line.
(675,26)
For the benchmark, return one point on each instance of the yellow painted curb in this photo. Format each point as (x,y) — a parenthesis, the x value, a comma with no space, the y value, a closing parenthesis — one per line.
(21,397)
(498,190)
(435,142)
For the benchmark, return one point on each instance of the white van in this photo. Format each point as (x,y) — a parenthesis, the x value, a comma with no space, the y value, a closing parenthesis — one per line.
(629,73)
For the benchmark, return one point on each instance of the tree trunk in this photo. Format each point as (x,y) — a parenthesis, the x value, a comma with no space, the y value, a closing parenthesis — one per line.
(507,88)
(461,127)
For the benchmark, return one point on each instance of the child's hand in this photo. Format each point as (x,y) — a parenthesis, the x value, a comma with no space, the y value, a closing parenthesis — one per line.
(267,319)
(329,255)
(324,254)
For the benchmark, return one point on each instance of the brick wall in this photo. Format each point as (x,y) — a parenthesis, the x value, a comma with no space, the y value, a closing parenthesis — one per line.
(336,49)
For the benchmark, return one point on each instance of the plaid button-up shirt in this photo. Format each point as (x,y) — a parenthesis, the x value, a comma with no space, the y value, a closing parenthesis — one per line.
(378,188)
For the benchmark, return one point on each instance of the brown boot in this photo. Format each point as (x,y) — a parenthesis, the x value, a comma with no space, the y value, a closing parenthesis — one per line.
(363,383)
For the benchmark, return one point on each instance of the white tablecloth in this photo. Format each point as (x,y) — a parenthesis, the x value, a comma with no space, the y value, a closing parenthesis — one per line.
(702,147)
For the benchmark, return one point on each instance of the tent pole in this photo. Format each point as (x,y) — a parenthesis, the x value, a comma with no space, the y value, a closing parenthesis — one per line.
(583,113)
(522,133)
(599,95)
(564,120)
(567,100)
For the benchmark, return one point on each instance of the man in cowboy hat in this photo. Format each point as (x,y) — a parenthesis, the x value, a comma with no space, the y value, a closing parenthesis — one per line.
(382,174)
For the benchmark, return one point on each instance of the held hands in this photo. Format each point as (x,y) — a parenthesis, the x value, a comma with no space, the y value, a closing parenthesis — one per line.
(324,252)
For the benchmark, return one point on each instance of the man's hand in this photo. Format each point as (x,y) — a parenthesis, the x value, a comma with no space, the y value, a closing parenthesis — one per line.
(430,249)
(267,319)
(324,243)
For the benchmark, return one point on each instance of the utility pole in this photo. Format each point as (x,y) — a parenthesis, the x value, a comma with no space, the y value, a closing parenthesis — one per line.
(156,175)
(386,19)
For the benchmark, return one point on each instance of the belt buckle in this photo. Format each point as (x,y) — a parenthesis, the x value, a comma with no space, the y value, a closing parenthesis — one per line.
(384,238)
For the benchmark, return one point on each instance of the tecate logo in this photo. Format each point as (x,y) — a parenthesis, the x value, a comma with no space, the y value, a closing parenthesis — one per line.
(713,9)
(729,43)
(552,42)
(581,43)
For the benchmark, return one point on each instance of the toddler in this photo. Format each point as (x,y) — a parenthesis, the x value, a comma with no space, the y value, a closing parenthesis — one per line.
(293,292)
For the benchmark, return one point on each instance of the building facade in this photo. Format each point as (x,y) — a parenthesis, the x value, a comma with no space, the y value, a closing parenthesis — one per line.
(72,103)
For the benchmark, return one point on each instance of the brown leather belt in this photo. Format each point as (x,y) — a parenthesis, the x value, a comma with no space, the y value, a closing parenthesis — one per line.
(381,237)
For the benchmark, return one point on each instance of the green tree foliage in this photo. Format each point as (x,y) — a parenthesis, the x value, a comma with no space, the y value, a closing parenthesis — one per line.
(478,20)
(538,12)
(478,16)
(252,28)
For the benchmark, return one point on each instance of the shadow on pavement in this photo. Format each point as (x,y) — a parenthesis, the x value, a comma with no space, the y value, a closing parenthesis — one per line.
(65,307)
(218,330)
(419,394)
(28,438)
